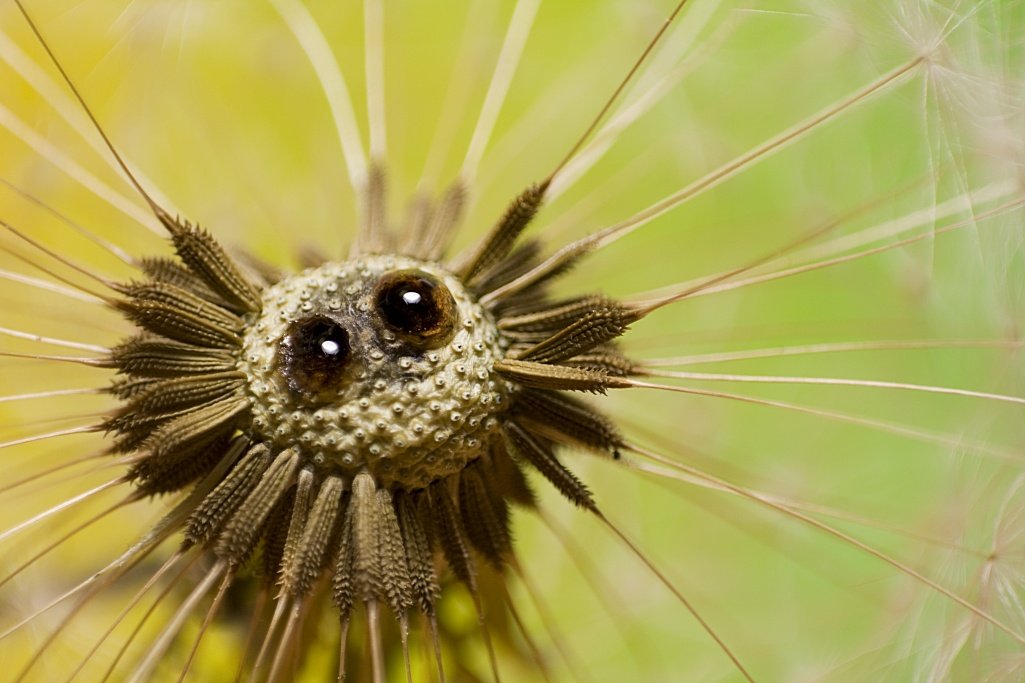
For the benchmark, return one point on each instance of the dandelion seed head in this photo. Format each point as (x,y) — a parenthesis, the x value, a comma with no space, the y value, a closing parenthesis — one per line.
(296,495)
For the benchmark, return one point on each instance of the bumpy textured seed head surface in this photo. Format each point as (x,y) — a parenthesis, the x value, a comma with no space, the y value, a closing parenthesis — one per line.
(408,414)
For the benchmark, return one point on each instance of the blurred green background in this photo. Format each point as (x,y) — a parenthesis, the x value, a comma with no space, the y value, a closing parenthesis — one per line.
(217,105)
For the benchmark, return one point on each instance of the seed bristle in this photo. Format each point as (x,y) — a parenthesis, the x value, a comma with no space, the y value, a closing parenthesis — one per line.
(566,378)
(509,476)
(395,580)
(266,559)
(343,588)
(484,517)
(207,259)
(431,226)
(445,527)
(542,456)
(307,563)
(170,395)
(496,245)
(566,419)
(593,328)
(171,296)
(373,236)
(553,316)
(153,476)
(172,272)
(180,321)
(149,355)
(299,509)
(194,425)
(240,534)
(518,262)
(212,513)
(419,554)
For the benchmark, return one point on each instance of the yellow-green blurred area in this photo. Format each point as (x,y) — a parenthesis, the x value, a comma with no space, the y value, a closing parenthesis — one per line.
(217,106)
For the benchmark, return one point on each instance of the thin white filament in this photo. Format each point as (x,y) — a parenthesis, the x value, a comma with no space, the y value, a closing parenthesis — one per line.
(48,394)
(70,111)
(814,508)
(62,506)
(373,22)
(508,59)
(689,291)
(54,342)
(612,233)
(156,651)
(75,171)
(676,592)
(318,51)
(49,287)
(835,347)
(164,568)
(51,435)
(107,245)
(834,381)
(759,153)
(626,116)
(988,450)
(836,533)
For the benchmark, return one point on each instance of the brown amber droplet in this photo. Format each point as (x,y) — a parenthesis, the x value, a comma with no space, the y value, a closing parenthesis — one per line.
(314,355)
(416,306)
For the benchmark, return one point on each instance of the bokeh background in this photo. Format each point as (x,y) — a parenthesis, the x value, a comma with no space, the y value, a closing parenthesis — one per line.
(216,104)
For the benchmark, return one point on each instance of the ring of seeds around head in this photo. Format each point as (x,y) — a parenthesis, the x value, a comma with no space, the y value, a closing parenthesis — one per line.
(363,419)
